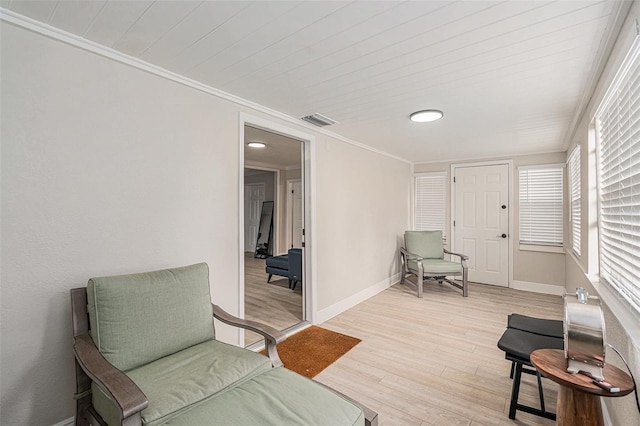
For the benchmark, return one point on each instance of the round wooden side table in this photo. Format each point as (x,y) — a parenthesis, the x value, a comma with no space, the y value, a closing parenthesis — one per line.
(578,397)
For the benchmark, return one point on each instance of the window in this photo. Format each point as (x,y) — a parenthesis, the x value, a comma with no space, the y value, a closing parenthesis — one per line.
(573,173)
(430,199)
(618,159)
(541,205)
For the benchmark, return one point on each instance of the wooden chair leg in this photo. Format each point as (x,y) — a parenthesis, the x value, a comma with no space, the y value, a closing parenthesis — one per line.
(269,279)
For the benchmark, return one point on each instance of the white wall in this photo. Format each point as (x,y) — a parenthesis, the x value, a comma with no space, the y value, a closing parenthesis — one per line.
(368,210)
(622,325)
(108,169)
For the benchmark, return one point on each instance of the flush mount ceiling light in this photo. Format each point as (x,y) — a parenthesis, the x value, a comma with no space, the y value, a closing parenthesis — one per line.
(255,144)
(426,115)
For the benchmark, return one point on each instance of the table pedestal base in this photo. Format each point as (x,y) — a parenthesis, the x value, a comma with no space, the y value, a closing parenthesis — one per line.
(577,408)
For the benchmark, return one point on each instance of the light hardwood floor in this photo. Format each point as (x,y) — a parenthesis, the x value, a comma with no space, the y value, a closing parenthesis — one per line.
(274,303)
(434,361)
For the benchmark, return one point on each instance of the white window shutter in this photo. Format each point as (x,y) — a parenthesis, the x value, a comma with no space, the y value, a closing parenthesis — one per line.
(575,199)
(430,199)
(541,204)
(618,150)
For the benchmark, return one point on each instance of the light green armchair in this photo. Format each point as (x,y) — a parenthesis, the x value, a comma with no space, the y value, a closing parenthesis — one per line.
(146,354)
(423,256)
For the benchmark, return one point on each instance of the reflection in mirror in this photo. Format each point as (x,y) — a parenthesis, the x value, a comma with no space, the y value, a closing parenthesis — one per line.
(264,245)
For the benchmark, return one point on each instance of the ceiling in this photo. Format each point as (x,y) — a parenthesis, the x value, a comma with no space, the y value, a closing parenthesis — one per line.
(512,77)
(280,151)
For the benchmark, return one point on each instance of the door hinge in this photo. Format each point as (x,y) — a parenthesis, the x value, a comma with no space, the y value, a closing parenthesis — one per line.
(454,179)
(454,223)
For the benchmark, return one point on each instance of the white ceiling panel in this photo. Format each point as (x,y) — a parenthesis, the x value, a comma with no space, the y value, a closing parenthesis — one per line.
(277,58)
(40,10)
(284,26)
(114,20)
(229,33)
(76,16)
(204,20)
(157,20)
(510,76)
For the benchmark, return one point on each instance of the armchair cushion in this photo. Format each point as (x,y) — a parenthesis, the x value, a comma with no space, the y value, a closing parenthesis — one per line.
(277,397)
(426,244)
(136,319)
(177,382)
(434,267)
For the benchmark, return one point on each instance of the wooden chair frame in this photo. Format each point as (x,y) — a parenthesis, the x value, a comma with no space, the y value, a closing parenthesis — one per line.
(91,366)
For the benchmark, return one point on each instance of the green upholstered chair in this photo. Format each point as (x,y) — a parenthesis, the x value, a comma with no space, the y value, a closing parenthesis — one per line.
(146,354)
(423,256)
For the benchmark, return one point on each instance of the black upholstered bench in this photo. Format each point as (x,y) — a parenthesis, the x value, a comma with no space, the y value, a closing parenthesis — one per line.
(524,335)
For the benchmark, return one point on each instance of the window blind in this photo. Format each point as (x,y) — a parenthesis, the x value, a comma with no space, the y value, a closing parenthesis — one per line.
(430,199)
(574,199)
(618,159)
(541,205)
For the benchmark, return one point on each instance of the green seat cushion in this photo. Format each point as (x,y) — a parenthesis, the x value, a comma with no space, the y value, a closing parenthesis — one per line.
(432,267)
(426,244)
(278,397)
(176,382)
(136,319)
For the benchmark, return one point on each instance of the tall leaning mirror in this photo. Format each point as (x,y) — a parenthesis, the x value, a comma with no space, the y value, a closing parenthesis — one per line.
(264,245)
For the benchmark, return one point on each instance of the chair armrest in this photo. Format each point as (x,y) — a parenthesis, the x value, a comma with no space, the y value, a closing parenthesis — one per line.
(462,256)
(271,336)
(410,255)
(126,394)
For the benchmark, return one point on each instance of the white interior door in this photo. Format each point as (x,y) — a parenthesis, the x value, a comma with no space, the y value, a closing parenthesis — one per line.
(481,221)
(295,213)
(254,194)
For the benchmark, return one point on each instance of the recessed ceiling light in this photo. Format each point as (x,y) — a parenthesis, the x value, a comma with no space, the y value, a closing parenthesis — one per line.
(426,115)
(256,145)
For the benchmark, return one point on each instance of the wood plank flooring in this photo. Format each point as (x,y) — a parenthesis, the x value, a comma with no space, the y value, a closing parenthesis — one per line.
(434,361)
(274,303)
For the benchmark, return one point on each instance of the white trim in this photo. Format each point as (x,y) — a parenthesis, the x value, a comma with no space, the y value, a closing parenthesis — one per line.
(605,412)
(66,422)
(90,46)
(510,204)
(540,248)
(309,142)
(353,300)
(287,214)
(558,290)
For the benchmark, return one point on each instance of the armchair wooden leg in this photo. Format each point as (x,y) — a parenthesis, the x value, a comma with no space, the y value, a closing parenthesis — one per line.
(269,279)
(420,282)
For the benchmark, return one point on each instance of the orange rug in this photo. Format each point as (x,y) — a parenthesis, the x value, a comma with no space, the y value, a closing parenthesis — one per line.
(313,349)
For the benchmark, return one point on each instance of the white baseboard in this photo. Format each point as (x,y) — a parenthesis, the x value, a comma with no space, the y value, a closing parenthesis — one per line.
(558,290)
(351,301)
(605,413)
(67,422)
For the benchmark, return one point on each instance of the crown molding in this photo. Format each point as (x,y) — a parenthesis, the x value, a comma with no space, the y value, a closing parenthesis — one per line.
(107,52)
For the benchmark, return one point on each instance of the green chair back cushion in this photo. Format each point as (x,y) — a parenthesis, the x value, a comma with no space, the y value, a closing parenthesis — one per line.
(426,244)
(138,318)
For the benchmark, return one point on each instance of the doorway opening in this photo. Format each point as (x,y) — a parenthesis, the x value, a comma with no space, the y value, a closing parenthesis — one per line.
(275,285)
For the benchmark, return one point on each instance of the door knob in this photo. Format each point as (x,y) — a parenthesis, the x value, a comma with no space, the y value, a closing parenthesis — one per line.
(502,236)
